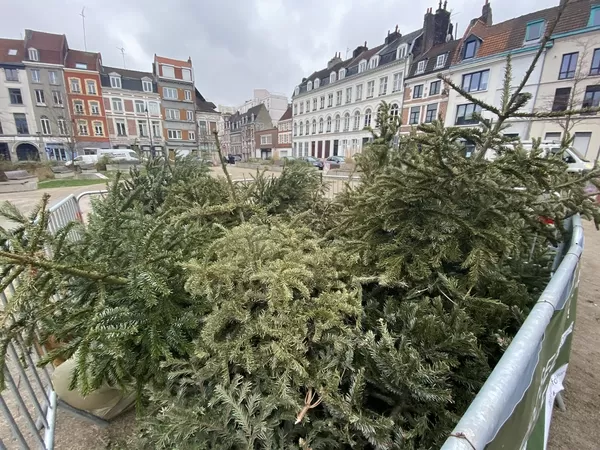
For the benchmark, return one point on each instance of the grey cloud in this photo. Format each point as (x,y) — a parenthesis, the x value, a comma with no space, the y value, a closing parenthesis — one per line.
(238,45)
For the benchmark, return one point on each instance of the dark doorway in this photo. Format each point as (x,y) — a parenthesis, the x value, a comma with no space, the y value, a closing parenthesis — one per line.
(327,146)
(313,149)
(4,152)
(27,152)
(335,147)
(320,150)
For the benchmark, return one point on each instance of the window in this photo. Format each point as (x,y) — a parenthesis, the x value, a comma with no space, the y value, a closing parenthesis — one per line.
(470,49)
(397,82)
(190,116)
(21,123)
(153,108)
(15,96)
(295,110)
(121,128)
(307,128)
(431,113)
(332,77)
(394,110)
(94,108)
(75,87)
(373,62)
(368,118)
(415,112)
(296,128)
(35,75)
(330,100)
(301,107)
(595,69)
(11,74)
(338,98)
(592,97)
(561,99)
(464,114)
(321,125)
(33,54)
(168,71)
(362,66)
(170,93)
(434,87)
(174,134)
(534,30)
(57,98)
(188,95)
(117,105)
(140,106)
(383,85)
(581,141)
(342,74)
(40,98)
(62,126)
(328,129)
(476,81)
(314,126)
(12,51)
(440,61)
(78,107)
(186,74)
(370,88)
(346,121)
(98,128)
(147,86)
(401,52)
(52,77)
(191,135)
(359,89)
(421,66)
(302,128)
(265,139)
(172,114)
(83,128)
(307,106)
(356,121)
(297,90)
(322,101)
(81,66)
(45,126)
(337,123)
(594,20)
(314,104)
(309,86)
(317,83)
(418,91)
(115,81)
(156,129)
(568,66)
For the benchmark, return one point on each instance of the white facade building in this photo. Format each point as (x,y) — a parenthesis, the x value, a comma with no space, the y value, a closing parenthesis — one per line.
(332,108)
(275,103)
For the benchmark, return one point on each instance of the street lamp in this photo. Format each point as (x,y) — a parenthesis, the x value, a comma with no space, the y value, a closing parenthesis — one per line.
(150,133)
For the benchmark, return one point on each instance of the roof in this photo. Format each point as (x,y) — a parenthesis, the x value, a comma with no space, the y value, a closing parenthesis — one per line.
(287,115)
(254,110)
(92,60)
(204,106)
(447,48)
(173,62)
(386,51)
(126,73)
(510,35)
(51,47)
(11,44)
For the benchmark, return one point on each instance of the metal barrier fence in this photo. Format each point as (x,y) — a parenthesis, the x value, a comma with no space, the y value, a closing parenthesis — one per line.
(29,403)
(514,407)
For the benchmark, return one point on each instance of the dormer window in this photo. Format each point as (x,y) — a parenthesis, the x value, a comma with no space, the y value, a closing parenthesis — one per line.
(534,31)
(33,54)
(374,61)
(81,66)
(297,90)
(309,86)
(342,74)
(12,51)
(440,61)
(147,85)
(317,83)
(470,49)
(362,66)
(594,16)
(332,77)
(421,66)
(401,52)
(115,81)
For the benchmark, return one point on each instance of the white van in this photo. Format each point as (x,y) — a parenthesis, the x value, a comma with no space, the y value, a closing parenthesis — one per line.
(83,160)
(118,154)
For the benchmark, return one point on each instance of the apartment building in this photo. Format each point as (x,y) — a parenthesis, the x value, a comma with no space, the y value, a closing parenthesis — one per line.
(333,108)
(242,128)
(176,88)
(133,111)
(284,134)
(276,104)
(208,121)
(43,58)
(19,139)
(84,93)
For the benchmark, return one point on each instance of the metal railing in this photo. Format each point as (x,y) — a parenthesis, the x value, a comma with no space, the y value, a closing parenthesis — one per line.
(29,403)
(528,377)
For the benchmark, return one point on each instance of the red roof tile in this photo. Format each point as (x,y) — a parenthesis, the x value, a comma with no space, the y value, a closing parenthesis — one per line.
(6,47)
(91,59)
(287,114)
(51,47)
(173,62)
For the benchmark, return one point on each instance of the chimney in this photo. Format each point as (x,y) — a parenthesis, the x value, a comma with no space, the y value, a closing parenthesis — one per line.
(334,61)
(358,50)
(391,37)
(486,13)
(436,27)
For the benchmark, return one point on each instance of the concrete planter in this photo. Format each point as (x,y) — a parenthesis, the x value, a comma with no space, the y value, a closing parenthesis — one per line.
(22,185)
(62,175)
(119,167)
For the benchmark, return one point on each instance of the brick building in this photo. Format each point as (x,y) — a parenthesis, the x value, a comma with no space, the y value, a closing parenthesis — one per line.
(284,134)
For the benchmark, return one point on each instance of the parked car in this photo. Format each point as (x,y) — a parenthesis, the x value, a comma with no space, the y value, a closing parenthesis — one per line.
(335,162)
(313,162)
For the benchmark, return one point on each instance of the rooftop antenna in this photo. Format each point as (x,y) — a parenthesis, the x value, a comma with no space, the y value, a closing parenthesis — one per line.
(83,20)
(122,50)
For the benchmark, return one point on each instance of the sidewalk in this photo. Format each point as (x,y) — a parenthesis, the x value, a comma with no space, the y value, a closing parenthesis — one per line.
(579,427)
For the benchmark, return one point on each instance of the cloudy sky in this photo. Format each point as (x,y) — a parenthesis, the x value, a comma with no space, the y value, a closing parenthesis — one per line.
(237,45)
